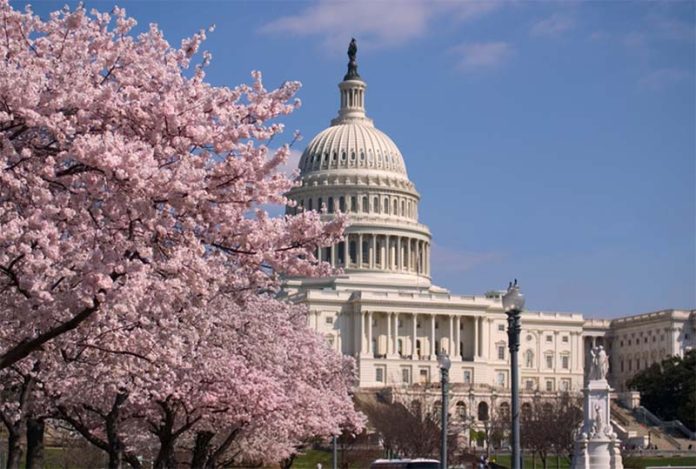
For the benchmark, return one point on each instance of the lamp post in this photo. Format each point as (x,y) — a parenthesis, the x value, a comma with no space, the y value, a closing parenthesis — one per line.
(513,302)
(444,361)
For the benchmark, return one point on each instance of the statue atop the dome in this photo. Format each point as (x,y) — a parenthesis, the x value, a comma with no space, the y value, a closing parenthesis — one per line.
(352,64)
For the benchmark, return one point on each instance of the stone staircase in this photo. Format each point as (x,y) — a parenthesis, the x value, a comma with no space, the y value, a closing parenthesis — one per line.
(641,433)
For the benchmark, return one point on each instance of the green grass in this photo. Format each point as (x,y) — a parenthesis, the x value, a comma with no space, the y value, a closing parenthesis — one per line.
(643,462)
(310,459)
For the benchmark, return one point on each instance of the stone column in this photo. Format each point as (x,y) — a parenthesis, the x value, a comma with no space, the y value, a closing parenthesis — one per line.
(432,337)
(556,354)
(373,252)
(476,337)
(370,352)
(361,332)
(387,252)
(396,333)
(450,325)
(458,338)
(360,251)
(390,347)
(346,252)
(414,337)
(334,255)
(418,263)
(399,257)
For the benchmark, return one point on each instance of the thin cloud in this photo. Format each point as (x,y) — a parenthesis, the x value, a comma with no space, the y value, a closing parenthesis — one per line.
(663,78)
(477,56)
(599,36)
(554,25)
(378,24)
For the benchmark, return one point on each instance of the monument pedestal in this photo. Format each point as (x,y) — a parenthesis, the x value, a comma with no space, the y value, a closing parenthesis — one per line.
(596,445)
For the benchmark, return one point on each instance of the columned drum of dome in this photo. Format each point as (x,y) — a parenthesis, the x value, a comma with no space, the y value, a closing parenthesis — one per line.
(354,168)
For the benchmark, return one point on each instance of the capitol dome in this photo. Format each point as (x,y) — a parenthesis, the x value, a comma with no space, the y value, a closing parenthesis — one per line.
(352,167)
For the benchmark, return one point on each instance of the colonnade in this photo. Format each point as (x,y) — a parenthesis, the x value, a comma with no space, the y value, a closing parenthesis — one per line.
(438,332)
(379,252)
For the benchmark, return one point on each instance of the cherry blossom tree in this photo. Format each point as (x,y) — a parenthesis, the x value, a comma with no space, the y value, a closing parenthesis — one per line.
(128,183)
(136,267)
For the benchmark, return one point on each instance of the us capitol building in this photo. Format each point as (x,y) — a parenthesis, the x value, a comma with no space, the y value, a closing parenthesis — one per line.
(384,311)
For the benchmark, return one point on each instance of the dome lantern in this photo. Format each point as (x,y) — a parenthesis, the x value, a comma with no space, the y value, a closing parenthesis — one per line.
(352,93)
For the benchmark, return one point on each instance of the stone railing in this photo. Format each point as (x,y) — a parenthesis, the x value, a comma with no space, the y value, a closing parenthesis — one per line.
(673,424)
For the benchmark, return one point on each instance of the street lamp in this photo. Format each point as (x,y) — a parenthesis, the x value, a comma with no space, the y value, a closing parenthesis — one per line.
(444,361)
(513,302)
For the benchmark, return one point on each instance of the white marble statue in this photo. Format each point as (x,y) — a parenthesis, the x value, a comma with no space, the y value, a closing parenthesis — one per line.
(599,364)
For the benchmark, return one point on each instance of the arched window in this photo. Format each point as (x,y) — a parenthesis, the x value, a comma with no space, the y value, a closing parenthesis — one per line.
(396,207)
(375,204)
(504,410)
(331,205)
(386,206)
(437,408)
(353,252)
(529,359)
(365,205)
(309,205)
(482,411)
(403,208)
(320,204)
(526,410)
(342,204)
(461,410)
(378,253)
(353,204)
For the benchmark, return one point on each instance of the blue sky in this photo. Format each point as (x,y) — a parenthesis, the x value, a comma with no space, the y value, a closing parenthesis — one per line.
(552,142)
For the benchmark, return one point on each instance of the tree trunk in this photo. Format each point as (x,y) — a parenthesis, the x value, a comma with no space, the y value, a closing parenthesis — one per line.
(14,450)
(35,443)
(114,441)
(200,449)
(165,455)
(287,462)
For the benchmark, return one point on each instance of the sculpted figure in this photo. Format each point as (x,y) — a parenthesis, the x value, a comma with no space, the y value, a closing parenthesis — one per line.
(599,363)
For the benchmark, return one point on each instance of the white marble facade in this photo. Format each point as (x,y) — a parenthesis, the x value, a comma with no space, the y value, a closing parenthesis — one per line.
(383,309)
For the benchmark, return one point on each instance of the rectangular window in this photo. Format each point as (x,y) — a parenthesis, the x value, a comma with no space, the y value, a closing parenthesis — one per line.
(529,385)
(549,385)
(406,375)
(423,376)
(329,319)
(330,340)
(500,379)
(549,361)
(501,352)
(565,338)
(549,338)
(501,327)
(565,362)
(565,385)
(379,375)
(467,376)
